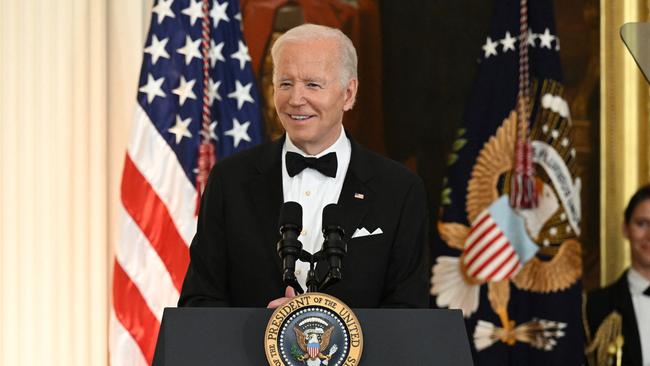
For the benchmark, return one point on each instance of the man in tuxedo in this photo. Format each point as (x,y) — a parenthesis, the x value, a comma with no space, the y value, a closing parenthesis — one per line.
(234,261)
(629,296)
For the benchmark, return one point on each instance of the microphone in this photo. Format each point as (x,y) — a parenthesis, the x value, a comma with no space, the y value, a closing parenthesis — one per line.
(289,247)
(334,247)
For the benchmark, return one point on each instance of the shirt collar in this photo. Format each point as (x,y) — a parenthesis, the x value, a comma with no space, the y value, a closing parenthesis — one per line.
(637,283)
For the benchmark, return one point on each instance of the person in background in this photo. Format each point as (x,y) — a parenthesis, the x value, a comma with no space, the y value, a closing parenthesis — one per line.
(627,299)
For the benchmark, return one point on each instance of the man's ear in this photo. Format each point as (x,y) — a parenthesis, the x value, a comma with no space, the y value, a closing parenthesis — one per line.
(626,233)
(350,94)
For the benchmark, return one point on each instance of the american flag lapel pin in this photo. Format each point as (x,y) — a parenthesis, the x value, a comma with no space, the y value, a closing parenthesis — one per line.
(359,196)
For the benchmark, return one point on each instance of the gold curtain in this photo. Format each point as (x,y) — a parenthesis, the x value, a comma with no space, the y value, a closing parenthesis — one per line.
(624,132)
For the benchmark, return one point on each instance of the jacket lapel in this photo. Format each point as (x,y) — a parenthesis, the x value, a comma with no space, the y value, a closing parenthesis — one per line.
(630,329)
(356,196)
(265,189)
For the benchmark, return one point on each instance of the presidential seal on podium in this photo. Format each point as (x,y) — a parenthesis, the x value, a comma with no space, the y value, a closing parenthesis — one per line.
(313,329)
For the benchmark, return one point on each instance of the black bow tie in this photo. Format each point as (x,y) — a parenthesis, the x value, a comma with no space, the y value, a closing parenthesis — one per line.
(326,164)
(647,291)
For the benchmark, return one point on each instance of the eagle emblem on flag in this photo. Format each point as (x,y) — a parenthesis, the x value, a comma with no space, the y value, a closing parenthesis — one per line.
(502,244)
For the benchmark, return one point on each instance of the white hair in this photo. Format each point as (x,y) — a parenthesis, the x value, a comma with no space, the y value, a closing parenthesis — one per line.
(309,32)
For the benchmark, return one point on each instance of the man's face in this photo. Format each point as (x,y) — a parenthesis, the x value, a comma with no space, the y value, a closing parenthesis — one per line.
(638,232)
(308,94)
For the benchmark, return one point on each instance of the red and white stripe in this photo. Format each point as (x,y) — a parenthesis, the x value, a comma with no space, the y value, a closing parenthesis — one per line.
(157,215)
(488,255)
(313,350)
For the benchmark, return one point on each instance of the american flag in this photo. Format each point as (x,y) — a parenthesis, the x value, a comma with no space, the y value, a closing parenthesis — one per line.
(196,93)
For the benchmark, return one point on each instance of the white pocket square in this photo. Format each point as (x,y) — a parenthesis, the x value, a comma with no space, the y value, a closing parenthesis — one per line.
(364,232)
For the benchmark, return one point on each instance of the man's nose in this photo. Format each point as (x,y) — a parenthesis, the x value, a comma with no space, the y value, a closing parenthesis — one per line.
(297,96)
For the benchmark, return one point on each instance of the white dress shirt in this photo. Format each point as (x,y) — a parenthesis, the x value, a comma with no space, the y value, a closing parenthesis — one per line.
(641,302)
(313,191)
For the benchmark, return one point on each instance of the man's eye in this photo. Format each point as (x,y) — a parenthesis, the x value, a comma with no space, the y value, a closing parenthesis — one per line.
(314,85)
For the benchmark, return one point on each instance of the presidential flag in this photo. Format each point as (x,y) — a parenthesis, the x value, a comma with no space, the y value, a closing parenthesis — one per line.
(514,269)
(196,103)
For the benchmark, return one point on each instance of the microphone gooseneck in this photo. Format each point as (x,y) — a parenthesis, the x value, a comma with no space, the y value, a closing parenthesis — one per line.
(289,247)
(334,248)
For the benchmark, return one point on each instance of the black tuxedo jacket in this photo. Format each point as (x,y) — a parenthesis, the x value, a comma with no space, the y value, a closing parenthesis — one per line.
(600,303)
(233,257)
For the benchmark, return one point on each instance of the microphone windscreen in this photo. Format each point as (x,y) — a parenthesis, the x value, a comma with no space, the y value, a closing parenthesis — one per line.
(332,215)
(291,214)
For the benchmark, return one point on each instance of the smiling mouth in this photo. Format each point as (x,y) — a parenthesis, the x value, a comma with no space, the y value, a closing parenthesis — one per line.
(300,117)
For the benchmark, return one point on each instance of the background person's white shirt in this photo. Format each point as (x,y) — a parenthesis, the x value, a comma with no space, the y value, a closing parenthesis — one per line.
(313,191)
